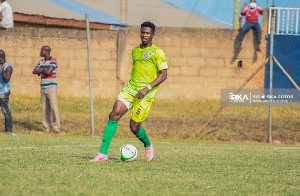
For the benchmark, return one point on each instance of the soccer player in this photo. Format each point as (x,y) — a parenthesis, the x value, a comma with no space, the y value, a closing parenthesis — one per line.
(148,71)
(251,14)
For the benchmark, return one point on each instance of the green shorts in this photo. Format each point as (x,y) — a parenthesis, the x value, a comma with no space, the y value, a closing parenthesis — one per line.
(140,107)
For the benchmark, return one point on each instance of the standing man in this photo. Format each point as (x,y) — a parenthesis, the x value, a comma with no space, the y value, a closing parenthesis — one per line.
(251,22)
(148,71)
(5,72)
(47,69)
(7,15)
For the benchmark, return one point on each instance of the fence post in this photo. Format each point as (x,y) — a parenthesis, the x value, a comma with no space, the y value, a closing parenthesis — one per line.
(90,73)
(236,14)
(271,72)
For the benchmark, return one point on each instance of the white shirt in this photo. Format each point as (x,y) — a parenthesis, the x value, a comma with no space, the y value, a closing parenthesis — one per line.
(7,15)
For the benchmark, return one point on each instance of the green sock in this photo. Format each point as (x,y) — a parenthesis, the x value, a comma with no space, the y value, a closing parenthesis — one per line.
(142,136)
(109,132)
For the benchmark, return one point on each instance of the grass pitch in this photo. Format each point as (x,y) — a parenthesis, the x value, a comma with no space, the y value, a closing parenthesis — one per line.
(59,165)
(178,119)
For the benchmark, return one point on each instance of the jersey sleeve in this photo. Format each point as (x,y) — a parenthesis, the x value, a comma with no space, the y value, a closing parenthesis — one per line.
(1,8)
(260,10)
(38,64)
(244,11)
(53,63)
(6,65)
(161,60)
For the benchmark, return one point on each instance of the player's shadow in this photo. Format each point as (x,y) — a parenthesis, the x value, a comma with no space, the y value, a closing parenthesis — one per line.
(114,159)
(24,125)
(236,47)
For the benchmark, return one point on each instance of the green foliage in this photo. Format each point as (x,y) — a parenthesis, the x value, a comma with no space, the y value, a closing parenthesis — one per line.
(56,165)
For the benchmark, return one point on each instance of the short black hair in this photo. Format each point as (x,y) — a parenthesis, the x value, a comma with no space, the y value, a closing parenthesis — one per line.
(148,24)
(46,48)
(2,54)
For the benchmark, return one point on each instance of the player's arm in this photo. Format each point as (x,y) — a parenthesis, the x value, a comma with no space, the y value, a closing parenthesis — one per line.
(243,13)
(161,77)
(260,10)
(37,70)
(6,74)
(48,71)
(240,22)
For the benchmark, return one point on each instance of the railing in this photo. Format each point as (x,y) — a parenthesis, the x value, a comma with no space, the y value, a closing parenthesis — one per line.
(287,21)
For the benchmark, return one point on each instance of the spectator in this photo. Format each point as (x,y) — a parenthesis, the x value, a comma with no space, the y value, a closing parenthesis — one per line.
(7,15)
(5,72)
(251,22)
(47,69)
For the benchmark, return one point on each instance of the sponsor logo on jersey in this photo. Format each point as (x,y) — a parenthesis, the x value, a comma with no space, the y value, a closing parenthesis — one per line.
(146,55)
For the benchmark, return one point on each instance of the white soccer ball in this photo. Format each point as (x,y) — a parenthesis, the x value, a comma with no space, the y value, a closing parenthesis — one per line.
(128,152)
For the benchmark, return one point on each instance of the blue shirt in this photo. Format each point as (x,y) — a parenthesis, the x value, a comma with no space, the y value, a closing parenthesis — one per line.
(4,87)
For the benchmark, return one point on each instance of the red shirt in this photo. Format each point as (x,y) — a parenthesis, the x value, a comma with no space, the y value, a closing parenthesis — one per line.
(251,15)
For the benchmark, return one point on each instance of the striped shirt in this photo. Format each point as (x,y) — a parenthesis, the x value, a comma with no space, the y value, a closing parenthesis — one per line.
(48,81)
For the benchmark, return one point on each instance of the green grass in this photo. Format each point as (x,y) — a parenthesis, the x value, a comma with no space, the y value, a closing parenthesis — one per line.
(169,118)
(34,164)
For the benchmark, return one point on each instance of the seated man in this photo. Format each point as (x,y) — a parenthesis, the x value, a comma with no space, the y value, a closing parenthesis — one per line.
(7,15)
(251,22)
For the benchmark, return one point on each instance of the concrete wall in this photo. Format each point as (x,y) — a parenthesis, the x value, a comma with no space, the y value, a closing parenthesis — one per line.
(201,60)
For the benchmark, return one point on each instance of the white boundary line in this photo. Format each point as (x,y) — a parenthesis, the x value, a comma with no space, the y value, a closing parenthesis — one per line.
(44,147)
(199,147)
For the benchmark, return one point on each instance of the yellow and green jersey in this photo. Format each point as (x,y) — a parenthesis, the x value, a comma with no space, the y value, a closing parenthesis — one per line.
(147,63)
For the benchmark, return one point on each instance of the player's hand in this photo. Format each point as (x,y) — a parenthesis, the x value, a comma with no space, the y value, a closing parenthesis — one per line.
(240,29)
(2,61)
(141,94)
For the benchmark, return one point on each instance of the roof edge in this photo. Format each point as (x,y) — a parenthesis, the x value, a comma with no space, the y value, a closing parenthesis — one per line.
(49,21)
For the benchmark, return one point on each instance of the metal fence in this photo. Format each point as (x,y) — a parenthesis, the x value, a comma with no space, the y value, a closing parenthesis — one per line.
(202,62)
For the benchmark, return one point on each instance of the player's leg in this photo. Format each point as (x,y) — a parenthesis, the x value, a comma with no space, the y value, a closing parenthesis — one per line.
(121,106)
(140,111)
(139,132)
(46,111)
(245,29)
(257,29)
(54,109)
(119,109)
(4,102)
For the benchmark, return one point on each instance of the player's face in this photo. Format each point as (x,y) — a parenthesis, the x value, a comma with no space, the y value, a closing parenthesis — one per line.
(43,52)
(146,35)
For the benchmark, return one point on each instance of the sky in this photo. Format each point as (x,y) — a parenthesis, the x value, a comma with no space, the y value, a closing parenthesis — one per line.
(81,9)
(222,10)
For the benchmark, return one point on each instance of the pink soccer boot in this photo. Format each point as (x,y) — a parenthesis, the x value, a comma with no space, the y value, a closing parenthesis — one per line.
(99,157)
(149,153)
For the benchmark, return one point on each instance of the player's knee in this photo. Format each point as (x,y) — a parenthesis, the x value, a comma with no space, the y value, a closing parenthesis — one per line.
(115,115)
(134,128)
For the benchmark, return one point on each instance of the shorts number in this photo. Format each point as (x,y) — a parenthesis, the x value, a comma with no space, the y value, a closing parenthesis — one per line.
(138,111)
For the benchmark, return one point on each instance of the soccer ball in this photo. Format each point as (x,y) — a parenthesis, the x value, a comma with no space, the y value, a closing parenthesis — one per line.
(128,152)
